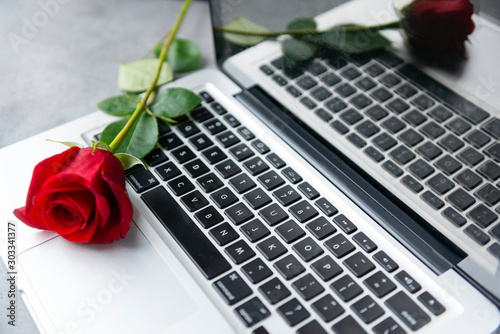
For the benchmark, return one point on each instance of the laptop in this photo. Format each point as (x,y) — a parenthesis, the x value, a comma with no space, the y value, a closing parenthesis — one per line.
(260,213)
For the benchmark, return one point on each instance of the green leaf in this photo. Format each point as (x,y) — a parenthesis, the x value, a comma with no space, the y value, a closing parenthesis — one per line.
(121,105)
(298,54)
(184,56)
(242,24)
(175,102)
(304,23)
(100,145)
(354,42)
(136,76)
(67,143)
(141,138)
(129,161)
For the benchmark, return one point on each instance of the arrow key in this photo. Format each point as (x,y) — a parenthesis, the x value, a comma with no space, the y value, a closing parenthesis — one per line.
(274,291)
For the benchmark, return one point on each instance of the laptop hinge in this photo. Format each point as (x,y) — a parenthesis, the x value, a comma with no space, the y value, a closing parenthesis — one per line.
(429,245)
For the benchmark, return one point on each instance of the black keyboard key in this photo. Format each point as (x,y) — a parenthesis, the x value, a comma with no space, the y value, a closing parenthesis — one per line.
(206,97)
(440,113)
(308,287)
(407,311)
(242,183)
(346,288)
(364,242)
(365,83)
(345,224)
(214,155)
(280,80)
(223,234)
(188,129)
(181,185)
(379,284)
(303,211)
(477,235)
(286,195)
(330,79)
(381,94)
(359,264)
(214,126)
(170,141)
(218,108)
(488,194)
(463,107)
(458,126)
(194,201)
(321,228)
(339,127)
(345,90)
(307,249)
(411,138)
(429,151)
(490,170)
(201,142)
(351,116)
(407,281)
(201,114)
(432,130)
(168,171)
(393,125)
(339,246)
(227,169)
(398,106)
(376,112)
(448,164)
(321,93)
(274,291)
(402,155)
(256,270)
(392,168)
(492,127)
(324,115)
(224,198)
(367,128)
(360,101)
(367,309)
(232,121)
(454,217)
(385,261)
(326,207)
(255,166)
(196,168)
(483,216)
(350,73)
(271,248)
(423,102)
(356,140)
(414,117)
(254,230)
(209,182)
(257,198)
(252,312)
(239,213)
(308,102)
(470,156)
(291,175)
(271,180)
(326,268)
(308,190)
(241,152)
(142,180)
(306,82)
(412,184)
(289,267)
(208,217)
(460,199)
(289,231)
(155,157)
(440,184)
(227,139)
(384,141)
(493,151)
(232,288)
(375,69)
(316,68)
(495,250)
(468,179)
(275,160)
(477,138)
(431,303)
(388,326)
(495,231)
(293,312)
(348,326)
(273,214)
(245,133)
(432,200)
(192,240)
(312,327)
(239,252)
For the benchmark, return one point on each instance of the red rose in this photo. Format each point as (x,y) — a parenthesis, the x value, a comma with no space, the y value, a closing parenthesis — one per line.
(438,25)
(80,194)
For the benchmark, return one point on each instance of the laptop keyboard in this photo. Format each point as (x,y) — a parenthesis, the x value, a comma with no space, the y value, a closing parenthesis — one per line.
(267,240)
(440,146)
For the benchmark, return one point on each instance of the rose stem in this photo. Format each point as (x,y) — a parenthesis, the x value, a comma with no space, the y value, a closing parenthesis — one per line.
(390,25)
(140,106)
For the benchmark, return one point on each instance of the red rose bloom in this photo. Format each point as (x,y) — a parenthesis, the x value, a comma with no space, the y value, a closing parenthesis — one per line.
(438,25)
(80,194)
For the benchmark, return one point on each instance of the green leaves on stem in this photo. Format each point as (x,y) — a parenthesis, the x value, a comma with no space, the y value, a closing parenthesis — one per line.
(183,56)
(136,76)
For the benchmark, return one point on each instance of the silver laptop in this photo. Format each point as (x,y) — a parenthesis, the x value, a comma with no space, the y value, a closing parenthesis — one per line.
(257,214)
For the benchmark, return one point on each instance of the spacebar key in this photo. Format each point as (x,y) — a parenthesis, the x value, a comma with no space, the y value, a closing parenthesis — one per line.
(185,231)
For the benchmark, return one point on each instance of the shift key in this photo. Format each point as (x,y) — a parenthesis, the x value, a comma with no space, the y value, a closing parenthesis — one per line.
(408,311)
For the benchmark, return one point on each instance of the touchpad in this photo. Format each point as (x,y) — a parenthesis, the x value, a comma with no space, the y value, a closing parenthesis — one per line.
(122,287)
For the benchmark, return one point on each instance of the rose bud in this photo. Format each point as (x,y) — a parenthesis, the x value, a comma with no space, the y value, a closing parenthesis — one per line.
(80,194)
(438,25)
